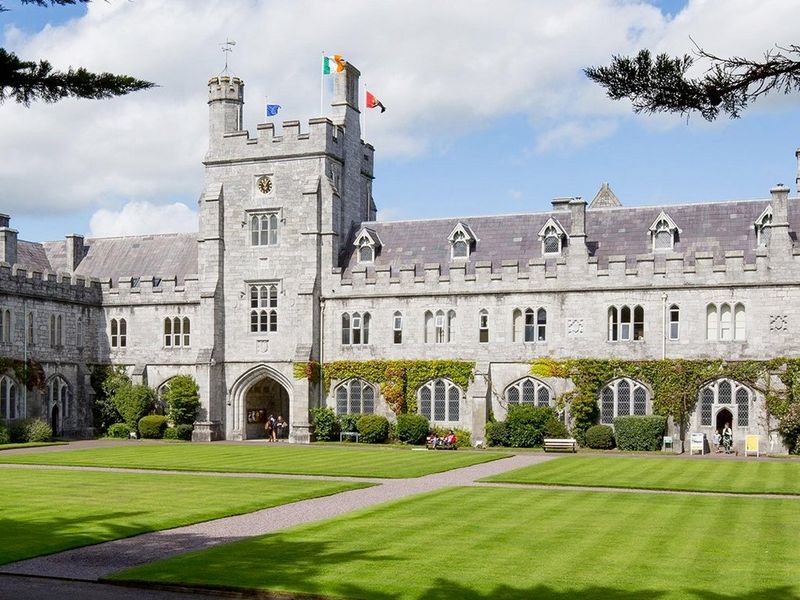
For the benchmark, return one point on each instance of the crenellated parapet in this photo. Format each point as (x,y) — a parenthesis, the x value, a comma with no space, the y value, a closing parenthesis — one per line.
(57,287)
(698,269)
(150,290)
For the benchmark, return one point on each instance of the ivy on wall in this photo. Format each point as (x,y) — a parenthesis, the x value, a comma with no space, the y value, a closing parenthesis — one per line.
(30,373)
(398,379)
(675,383)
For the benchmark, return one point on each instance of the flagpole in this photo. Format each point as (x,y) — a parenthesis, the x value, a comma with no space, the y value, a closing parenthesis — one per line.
(266,108)
(365,109)
(322,85)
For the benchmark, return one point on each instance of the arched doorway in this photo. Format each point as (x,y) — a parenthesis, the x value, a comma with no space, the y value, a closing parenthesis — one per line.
(724,417)
(54,420)
(264,398)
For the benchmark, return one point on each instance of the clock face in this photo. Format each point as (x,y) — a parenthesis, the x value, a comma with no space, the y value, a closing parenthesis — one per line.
(264,184)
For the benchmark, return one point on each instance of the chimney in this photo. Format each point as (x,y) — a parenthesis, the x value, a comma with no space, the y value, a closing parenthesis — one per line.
(780,244)
(797,179)
(577,233)
(74,251)
(225,102)
(8,241)
(561,204)
(345,96)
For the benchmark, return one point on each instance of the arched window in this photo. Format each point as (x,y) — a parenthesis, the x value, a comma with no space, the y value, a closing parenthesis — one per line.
(725,323)
(460,245)
(187,337)
(541,325)
(663,237)
(30,329)
(625,324)
(531,325)
(726,393)
(739,323)
(439,400)
(355,397)
(451,326)
(8,398)
(529,391)
(674,322)
(58,394)
(712,322)
(78,333)
(763,227)
(119,333)
(428,324)
(176,332)
(366,254)
(440,326)
(483,326)
(622,397)
(5,325)
(397,327)
(264,229)
(551,242)
(264,308)
(52,331)
(59,330)
(167,332)
(355,328)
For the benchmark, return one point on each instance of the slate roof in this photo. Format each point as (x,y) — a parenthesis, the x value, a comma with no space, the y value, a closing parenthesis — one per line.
(164,255)
(32,256)
(715,227)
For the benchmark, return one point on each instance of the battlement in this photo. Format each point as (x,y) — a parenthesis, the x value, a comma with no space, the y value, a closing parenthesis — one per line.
(62,287)
(225,88)
(624,272)
(150,290)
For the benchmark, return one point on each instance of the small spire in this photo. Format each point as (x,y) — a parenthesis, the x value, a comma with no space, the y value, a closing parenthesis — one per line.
(227,48)
(605,198)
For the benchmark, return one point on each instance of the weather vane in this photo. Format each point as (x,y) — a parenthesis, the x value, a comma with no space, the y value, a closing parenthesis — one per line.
(227,48)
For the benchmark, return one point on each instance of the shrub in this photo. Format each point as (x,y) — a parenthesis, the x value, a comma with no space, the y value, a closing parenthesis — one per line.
(152,426)
(119,431)
(30,430)
(600,437)
(5,438)
(349,422)
(640,433)
(105,381)
(184,431)
(412,428)
(498,434)
(790,428)
(170,433)
(373,429)
(183,399)
(326,425)
(555,428)
(527,424)
(133,402)
(463,437)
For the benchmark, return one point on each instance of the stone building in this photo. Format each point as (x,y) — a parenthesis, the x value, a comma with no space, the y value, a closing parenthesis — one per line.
(289,265)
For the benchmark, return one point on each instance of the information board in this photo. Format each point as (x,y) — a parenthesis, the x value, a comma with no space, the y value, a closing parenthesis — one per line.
(698,443)
(751,445)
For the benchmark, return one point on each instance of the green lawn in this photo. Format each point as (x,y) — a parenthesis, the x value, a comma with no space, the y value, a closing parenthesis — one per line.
(487,543)
(752,476)
(30,445)
(284,459)
(44,510)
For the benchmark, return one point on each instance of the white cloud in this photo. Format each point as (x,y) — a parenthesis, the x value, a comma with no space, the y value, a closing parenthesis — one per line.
(442,71)
(137,218)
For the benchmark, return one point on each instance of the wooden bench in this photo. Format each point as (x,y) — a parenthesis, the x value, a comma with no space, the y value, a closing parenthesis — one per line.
(349,434)
(441,446)
(566,444)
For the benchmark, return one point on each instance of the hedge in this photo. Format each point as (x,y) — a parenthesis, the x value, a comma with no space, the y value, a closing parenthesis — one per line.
(498,434)
(119,431)
(30,430)
(413,428)
(326,425)
(133,402)
(183,399)
(184,431)
(152,426)
(600,437)
(373,429)
(349,422)
(4,437)
(640,433)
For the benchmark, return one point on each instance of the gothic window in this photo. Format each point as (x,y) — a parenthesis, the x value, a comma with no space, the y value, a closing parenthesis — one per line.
(625,324)
(725,393)
(264,229)
(674,322)
(663,232)
(58,395)
(460,245)
(177,332)
(622,397)
(263,307)
(483,326)
(397,327)
(79,332)
(440,326)
(725,322)
(440,400)
(5,325)
(29,329)
(119,333)
(366,254)
(530,392)
(551,244)
(8,398)
(763,227)
(355,328)
(355,397)
(530,325)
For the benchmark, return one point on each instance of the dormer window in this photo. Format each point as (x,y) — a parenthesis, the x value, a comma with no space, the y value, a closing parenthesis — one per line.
(763,225)
(663,232)
(552,235)
(461,240)
(367,244)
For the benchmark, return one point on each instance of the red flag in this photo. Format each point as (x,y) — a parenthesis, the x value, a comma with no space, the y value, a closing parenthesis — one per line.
(373,102)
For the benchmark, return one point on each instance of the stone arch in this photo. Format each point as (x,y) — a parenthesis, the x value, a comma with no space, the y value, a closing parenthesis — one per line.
(59,401)
(624,396)
(247,381)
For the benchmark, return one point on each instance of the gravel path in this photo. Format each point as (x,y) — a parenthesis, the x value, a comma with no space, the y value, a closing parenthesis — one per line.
(93,562)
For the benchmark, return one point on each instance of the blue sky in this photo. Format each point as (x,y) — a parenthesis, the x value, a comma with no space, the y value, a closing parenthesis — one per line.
(494,159)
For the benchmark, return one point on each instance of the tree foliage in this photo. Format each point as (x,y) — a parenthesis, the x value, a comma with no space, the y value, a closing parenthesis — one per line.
(26,81)
(134,402)
(183,399)
(728,85)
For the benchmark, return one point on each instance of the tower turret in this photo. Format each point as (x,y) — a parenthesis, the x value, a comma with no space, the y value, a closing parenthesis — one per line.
(225,102)
(345,98)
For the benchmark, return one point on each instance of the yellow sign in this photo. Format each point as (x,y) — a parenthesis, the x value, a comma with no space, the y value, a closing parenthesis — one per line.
(751,444)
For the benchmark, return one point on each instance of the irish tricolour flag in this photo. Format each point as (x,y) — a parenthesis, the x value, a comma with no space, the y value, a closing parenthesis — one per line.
(332,64)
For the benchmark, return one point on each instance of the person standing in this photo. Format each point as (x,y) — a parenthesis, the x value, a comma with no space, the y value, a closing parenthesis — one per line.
(269,427)
(727,438)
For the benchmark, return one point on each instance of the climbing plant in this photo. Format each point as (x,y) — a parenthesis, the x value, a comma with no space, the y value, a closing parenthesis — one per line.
(398,379)
(30,373)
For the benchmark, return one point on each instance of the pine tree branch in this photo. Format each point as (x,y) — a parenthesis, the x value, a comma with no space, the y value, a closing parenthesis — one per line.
(28,81)
(48,3)
(728,85)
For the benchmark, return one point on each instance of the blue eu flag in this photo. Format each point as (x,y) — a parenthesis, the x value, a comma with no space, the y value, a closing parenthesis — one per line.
(272,109)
